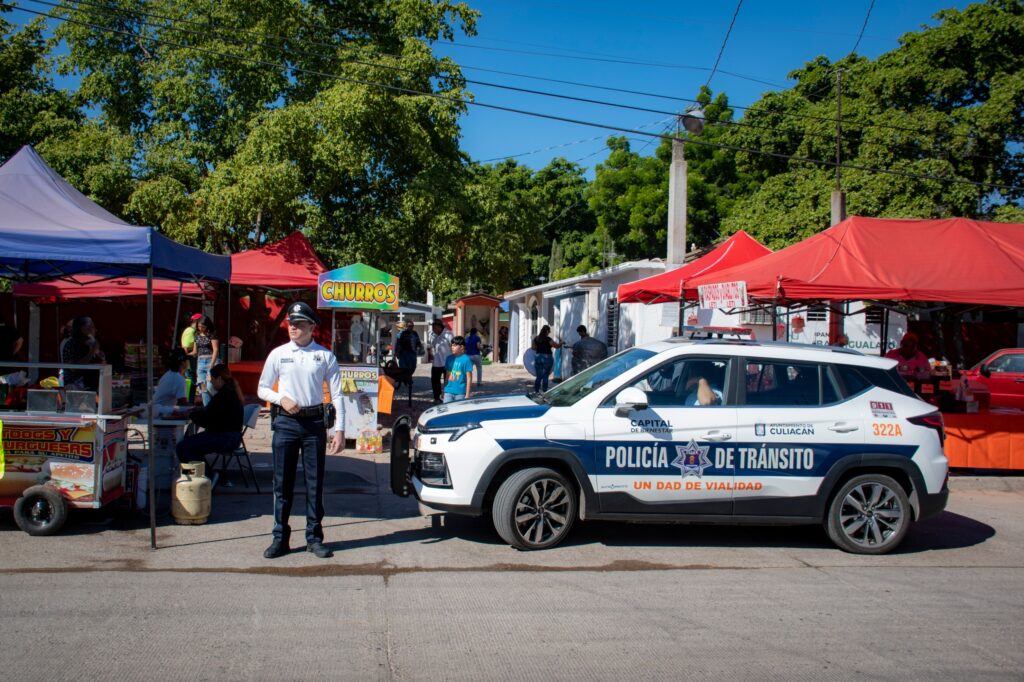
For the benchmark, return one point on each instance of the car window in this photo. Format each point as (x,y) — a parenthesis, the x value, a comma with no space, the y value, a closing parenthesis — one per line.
(782,382)
(855,380)
(1009,362)
(678,383)
(572,390)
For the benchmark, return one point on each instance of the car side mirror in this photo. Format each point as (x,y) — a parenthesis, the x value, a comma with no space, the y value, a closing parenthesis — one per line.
(629,400)
(985,371)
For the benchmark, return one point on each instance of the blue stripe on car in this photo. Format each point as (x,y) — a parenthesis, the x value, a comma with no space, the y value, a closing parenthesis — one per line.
(632,460)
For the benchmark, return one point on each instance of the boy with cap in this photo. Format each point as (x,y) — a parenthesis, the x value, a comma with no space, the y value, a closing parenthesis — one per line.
(300,368)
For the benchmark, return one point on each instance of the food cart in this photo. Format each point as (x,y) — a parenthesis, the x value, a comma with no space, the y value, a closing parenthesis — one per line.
(62,452)
(358,288)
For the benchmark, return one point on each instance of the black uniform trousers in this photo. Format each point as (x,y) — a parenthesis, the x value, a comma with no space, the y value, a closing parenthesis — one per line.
(294,436)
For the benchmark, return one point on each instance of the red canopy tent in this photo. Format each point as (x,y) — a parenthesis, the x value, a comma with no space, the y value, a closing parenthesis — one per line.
(666,286)
(288,264)
(955,260)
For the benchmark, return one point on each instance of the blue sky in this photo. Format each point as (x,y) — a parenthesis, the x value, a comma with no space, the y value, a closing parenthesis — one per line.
(678,43)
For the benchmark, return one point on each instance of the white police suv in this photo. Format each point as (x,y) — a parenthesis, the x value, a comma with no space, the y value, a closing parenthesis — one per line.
(689,431)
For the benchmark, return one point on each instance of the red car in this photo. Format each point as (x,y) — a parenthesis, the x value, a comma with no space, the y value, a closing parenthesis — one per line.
(1003,373)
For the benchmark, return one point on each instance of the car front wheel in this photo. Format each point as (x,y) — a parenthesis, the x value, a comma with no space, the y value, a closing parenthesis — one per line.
(869,515)
(534,508)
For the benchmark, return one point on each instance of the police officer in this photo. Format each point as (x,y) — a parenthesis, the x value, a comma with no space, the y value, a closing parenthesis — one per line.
(300,368)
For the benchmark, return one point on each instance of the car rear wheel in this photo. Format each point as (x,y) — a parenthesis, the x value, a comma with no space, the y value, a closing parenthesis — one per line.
(869,515)
(534,508)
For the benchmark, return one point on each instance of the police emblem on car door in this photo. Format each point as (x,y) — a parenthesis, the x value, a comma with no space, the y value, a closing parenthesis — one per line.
(671,454)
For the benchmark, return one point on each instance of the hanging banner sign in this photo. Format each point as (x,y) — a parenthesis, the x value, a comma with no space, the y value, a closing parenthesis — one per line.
(723,295)
(357,287)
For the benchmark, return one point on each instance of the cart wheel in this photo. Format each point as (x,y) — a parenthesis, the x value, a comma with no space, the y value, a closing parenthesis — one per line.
(40,511)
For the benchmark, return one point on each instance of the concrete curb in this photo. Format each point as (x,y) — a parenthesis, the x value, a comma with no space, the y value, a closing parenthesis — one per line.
(1010,483)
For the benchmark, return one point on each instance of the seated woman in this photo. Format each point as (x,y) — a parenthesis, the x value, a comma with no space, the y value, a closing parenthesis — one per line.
(172,390)
(221,420)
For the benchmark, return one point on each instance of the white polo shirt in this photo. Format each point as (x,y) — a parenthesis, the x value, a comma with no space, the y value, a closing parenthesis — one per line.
(300,373)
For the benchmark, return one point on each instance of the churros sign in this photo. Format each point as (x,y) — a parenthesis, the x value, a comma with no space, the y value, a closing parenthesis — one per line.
(357,287)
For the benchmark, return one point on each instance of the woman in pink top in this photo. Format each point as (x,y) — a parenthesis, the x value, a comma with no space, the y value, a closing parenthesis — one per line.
(913,363)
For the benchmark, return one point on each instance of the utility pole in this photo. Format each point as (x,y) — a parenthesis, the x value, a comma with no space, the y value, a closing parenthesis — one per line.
(676,204)
(838,205)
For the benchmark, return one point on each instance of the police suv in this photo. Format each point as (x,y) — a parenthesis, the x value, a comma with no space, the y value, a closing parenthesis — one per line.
(689,431)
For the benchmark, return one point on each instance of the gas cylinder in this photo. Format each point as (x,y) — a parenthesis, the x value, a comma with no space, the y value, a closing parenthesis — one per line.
(190,501)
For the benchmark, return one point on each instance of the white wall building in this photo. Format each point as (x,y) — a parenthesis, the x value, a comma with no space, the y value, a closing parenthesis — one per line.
(590,300)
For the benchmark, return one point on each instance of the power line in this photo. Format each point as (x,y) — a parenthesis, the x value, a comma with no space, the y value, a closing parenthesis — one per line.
(207,29)
(608,60)
(864,26)
(721,50)
(513,110)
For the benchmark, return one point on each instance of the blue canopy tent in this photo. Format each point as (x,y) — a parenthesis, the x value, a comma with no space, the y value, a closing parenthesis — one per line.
(50,230)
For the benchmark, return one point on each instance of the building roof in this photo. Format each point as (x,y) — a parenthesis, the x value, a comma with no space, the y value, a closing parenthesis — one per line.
(647,264)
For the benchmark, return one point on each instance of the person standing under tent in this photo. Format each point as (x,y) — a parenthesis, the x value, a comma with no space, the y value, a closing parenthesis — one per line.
(206,352)
(300,422)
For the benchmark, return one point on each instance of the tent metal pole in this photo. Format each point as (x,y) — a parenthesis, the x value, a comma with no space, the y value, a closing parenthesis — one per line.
(227,340)
(149,406)
(177,315)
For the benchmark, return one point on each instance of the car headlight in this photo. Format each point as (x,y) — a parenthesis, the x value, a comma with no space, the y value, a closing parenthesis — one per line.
(456,432)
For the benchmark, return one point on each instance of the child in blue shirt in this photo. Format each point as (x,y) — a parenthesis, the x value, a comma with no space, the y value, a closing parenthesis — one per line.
(459,369)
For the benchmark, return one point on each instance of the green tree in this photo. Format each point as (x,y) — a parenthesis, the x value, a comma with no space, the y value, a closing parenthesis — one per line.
(947,103)
(31,108)
(252,119)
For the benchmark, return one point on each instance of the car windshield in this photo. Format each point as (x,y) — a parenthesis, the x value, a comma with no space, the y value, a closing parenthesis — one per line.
(572,390)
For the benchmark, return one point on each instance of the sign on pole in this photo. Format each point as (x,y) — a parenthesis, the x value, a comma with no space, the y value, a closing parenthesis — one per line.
(723,295)
(357,287)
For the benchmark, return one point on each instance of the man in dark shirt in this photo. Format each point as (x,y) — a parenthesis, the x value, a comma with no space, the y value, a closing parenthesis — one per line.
(587,351)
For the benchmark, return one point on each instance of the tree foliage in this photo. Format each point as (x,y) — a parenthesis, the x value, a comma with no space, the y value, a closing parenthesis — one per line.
(948,103)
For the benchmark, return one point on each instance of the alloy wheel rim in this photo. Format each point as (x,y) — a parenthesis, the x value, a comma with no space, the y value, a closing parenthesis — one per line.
(542,511)
(871,514)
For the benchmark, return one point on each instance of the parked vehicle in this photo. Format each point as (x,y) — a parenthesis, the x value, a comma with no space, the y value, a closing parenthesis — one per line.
(1002,373)
(712,431)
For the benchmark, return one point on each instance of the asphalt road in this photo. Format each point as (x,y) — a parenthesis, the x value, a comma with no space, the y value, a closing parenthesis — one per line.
(409,597)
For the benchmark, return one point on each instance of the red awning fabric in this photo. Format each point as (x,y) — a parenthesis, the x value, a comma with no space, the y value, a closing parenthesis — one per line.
(665,287)
(98,287)
(288,264)
(955,260)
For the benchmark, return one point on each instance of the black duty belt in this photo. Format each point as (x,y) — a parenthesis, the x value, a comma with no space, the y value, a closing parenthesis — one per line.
(312,412)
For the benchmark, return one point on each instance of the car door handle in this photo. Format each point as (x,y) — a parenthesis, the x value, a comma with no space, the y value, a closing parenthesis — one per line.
(716,435)
(843,427)
(1018,381)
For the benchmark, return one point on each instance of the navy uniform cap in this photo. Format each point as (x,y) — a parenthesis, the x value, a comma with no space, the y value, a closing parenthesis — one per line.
(302,311)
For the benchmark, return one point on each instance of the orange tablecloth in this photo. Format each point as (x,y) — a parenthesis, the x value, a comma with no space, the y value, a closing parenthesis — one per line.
(987,440)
